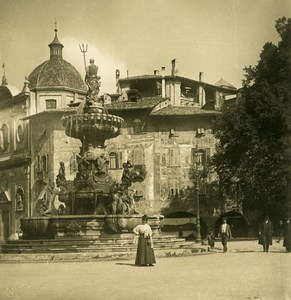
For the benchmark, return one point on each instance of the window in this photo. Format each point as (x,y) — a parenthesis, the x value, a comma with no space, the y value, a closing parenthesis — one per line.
(73,163)
(44,163)
(164,159)
(137,126)
(120,160)
(200,157)
(1,140)
(51,104)
(174,188)
(113,160)
(174,157)
(5,139)
(19,199)
(19,133)
(137,156)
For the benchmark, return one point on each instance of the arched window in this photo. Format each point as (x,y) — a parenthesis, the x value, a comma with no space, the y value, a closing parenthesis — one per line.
(137,126)
(19,133)
(19,199)
(51,103)
(5,132)
(113,160)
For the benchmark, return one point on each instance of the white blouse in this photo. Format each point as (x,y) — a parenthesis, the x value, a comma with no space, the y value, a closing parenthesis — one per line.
(144,229)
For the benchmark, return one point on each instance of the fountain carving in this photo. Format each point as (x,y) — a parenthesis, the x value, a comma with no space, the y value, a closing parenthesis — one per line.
(93,202)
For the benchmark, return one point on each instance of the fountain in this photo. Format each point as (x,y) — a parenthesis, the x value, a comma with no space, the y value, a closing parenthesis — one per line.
(94,205)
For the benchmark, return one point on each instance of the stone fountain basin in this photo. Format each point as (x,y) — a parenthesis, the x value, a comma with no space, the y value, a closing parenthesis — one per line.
(83,226)
(96,124)
(126,223)
(34,227)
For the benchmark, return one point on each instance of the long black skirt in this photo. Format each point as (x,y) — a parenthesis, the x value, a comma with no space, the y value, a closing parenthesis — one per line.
(145,254)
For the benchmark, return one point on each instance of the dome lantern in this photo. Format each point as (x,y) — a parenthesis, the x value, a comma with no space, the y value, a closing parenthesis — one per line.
(56,48)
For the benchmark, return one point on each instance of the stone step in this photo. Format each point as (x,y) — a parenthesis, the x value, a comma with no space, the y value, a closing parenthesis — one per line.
(75,248)
(94,256)
(96,245)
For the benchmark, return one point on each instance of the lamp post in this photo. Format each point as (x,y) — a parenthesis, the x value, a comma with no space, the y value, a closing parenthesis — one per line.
(197,178)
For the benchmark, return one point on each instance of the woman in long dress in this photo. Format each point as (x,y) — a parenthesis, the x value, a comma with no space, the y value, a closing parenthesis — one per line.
(145,252)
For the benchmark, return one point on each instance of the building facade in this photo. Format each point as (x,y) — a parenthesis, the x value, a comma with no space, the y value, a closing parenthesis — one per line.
(166,134)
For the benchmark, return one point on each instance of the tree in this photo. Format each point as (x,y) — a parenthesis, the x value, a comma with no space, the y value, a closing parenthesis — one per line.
(253,158)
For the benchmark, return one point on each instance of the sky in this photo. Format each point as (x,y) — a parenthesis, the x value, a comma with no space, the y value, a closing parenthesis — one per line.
(216,37)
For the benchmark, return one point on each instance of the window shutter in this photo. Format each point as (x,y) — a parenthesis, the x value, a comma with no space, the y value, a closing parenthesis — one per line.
(207,155)
(193,153)
(138,157)
(120,159)
(176,157)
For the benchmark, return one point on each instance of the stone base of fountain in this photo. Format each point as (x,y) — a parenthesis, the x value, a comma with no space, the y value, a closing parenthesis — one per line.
(85,226)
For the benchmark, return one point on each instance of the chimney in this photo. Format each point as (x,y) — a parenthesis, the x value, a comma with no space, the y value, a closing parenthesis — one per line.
(163,83)
(126,73)
(174,67)
(117,74)
(117,77)
(156,72)
(201,91)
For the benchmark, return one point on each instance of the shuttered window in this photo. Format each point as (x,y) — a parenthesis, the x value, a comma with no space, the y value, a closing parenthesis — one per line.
(174,157)
(138,157)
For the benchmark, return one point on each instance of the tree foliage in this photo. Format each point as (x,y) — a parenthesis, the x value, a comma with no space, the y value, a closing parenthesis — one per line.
(253,158)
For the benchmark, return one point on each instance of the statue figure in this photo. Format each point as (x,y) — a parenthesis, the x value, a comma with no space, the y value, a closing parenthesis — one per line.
(102,165)
(19,202)
(122,200)
(116,205)
(92,80)
(61,177)
(126,179)
(131,202)
(83,168)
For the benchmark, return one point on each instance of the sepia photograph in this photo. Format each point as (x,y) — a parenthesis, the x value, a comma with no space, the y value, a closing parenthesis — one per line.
(145,149)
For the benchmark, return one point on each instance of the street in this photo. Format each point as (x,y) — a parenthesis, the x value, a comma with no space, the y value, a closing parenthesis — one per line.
(232,275)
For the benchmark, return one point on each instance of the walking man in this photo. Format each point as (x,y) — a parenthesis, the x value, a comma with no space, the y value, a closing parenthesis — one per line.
(225,234)
(265,233)
(287,235)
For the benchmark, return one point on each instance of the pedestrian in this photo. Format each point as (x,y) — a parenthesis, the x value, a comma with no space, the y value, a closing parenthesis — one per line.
(280,230)
(225,234)
(287,235)
(210,238)
(265,233)
(145,252)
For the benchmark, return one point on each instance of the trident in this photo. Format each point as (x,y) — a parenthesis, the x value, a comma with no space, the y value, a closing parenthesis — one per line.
(84,49)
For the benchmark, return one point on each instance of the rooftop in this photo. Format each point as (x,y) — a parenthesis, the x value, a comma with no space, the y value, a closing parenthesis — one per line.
(183,111)
(144,103)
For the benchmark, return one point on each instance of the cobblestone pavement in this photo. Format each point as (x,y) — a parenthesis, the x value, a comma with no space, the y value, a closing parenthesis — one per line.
(245,272)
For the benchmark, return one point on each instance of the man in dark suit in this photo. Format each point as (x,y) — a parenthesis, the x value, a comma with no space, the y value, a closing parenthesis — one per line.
(265,233)
(225,233)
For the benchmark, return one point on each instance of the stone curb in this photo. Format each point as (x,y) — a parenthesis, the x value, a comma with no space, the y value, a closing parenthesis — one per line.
(98,256)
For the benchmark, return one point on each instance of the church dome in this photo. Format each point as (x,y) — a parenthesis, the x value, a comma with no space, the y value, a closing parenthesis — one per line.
(56,72)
